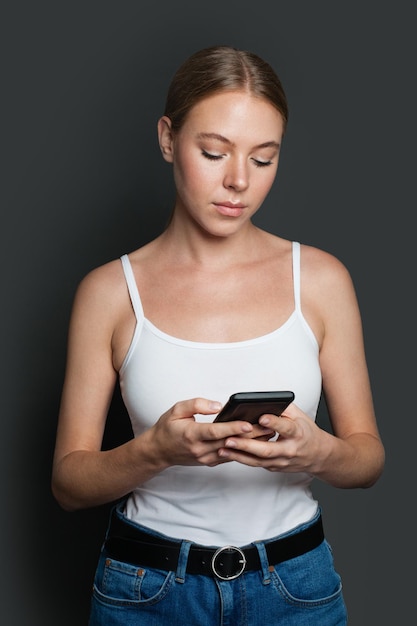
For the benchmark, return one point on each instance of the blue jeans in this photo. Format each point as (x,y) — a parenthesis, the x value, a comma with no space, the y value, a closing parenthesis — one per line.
(303,591)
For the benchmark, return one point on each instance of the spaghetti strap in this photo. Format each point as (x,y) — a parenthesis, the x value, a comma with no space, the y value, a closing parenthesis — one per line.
(132,287)
(296,274)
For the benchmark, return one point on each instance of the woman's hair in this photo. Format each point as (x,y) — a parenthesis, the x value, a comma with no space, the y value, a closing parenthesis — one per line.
(222,68)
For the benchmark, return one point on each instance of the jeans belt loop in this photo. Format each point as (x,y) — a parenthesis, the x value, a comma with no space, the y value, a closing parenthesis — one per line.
(182,561)
(265,565)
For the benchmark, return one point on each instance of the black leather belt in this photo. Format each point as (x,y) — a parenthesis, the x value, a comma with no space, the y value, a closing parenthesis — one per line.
(129,544)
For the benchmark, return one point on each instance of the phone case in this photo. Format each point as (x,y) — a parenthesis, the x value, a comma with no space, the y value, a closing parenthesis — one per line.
(249,406)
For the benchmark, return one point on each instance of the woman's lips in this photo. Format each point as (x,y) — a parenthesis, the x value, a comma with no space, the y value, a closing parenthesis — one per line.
(229,209)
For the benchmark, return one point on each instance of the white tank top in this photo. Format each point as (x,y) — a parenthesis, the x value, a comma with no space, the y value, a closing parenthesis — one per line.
(231,503)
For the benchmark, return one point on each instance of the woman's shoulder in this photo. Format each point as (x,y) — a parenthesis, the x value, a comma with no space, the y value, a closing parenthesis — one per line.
(322,264)
(110,274)
(103,277)
(314,261)
(102,291)
(325,280)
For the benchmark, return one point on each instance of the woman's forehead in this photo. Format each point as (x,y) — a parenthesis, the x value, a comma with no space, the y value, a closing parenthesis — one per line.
(229,112)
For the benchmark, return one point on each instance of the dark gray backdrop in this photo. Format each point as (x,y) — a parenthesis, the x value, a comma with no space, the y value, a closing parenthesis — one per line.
(83,85)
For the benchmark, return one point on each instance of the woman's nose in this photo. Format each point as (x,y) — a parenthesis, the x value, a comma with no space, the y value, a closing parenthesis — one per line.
(236,176)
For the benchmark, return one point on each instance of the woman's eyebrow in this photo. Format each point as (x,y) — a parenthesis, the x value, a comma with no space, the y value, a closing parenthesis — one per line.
(217,137)
(214,136)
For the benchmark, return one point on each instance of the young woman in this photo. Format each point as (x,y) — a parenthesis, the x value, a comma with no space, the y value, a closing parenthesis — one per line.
(215,523)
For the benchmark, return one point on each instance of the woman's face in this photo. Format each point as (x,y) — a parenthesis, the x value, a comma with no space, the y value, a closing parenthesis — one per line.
(225,158)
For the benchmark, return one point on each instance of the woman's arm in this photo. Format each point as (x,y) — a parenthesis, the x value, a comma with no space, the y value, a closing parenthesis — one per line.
(83,475)
(353,456)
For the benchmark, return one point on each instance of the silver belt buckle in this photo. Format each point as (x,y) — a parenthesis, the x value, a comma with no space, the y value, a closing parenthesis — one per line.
(216,562)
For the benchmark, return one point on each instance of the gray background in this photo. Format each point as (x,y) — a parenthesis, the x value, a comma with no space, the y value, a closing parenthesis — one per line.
(82,182)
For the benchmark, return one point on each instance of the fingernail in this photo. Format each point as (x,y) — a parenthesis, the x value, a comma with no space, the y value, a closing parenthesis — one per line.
(215,406)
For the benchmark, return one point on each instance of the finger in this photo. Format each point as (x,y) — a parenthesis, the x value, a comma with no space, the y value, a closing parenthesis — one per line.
(188,408)
(284,425)
(222,430)
(259,432)
(248,451)
(219,430)
(209,431)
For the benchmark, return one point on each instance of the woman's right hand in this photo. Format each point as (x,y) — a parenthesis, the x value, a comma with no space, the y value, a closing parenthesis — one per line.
(85,476)
(177,438)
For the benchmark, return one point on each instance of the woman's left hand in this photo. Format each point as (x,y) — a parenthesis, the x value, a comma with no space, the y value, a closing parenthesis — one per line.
(297,448)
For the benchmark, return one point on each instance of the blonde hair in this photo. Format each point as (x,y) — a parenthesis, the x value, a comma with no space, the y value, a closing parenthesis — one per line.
(222,68)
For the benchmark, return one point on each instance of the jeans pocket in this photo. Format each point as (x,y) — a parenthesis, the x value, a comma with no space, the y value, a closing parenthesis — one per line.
(123,584)
(309,579)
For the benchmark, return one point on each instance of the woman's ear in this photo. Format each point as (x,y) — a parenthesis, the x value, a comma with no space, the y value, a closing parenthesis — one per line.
(165,138)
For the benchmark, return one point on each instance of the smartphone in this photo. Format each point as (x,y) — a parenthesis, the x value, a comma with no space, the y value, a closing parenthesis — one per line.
(249,406)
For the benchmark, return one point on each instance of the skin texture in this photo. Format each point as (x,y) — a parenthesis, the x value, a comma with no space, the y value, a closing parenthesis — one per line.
(212,276)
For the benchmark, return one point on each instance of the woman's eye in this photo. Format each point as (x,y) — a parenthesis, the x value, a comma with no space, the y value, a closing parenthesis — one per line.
(211,157)
(217,157)
(259,163)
